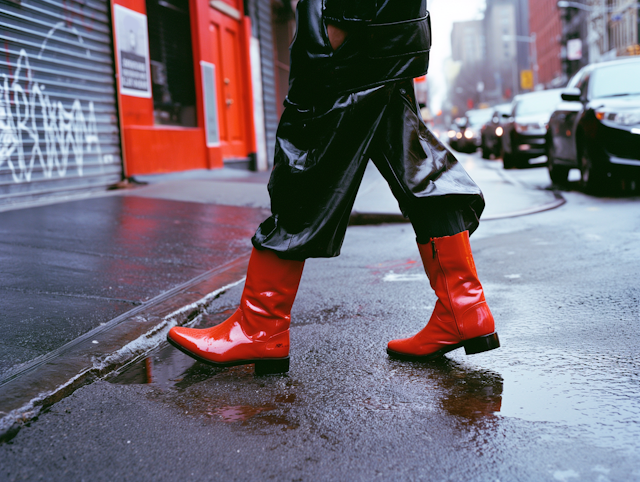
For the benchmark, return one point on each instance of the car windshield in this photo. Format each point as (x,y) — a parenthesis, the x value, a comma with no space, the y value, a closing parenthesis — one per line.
(616,80)
(479,117)
(538,103)
(503,109)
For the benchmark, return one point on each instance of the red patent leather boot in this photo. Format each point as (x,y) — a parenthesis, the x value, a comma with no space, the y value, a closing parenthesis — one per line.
(461,317)
(258,332)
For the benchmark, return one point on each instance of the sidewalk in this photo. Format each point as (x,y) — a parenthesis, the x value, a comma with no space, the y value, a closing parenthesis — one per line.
(88,285)
(504,196)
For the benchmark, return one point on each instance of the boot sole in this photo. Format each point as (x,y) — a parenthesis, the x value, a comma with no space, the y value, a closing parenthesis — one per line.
(471,347)
(263,366)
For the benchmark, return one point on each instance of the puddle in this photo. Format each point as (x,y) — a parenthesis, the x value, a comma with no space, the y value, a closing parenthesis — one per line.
(238,413)
(167,367)
(467,393)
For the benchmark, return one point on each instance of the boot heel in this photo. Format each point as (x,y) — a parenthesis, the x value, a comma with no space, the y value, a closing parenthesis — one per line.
(272,367)
(481,344)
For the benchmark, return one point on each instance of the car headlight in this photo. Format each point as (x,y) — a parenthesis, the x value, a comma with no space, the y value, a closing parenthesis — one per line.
(499,131)
(451,134)
(468,134)
(459,135)
(528,127)
(625,118)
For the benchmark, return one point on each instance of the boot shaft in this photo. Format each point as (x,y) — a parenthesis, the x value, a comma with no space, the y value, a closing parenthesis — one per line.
(449,264)
(269,292)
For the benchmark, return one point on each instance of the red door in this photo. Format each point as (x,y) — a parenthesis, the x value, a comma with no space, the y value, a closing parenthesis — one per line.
(228,58)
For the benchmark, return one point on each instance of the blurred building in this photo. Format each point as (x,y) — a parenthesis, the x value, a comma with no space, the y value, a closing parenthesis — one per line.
(468,43)
(500,22)
(581,34)
(624,34)
(546,25)
(508,46)
(492,54)
(604,29)
(468,51)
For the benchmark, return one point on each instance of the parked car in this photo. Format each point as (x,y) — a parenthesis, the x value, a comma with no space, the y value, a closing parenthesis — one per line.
(475,120)
(492,130)
(468,137)
(597,126)
(455,132)
(525,130)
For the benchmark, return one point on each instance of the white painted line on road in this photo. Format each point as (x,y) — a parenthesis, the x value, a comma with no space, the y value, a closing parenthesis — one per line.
(393,277)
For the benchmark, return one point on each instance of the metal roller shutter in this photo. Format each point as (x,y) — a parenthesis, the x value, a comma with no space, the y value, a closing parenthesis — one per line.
(265,35)
(58,117)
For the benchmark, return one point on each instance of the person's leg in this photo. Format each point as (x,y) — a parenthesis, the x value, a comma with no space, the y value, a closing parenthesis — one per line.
(443,205)
(258,331)
(321,155)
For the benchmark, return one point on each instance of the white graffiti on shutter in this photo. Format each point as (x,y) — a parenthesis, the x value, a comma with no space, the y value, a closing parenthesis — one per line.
(58,135)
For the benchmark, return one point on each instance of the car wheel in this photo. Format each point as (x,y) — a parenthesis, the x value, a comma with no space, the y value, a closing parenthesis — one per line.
(558,174)
(591,178)
(520,161)
(486,152)
(508,161)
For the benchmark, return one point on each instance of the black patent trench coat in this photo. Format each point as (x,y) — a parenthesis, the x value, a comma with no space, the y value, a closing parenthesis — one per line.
(388,40)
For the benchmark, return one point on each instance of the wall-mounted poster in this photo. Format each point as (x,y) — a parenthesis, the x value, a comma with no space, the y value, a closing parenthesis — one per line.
(210,103)
(574,49)
(133,52)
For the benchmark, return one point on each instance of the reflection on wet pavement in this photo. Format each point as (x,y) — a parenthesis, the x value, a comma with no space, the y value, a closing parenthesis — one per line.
(467,393)
(168,368)
(238,413)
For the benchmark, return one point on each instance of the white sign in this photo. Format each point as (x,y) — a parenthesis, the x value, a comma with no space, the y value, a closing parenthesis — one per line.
(574,49)
(132,40)
(210,103)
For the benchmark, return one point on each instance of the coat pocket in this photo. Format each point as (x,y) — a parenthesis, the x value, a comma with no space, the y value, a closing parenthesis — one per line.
(350,10)
(399,39)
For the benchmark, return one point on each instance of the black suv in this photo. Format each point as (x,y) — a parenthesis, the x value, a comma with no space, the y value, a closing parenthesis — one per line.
(597,127)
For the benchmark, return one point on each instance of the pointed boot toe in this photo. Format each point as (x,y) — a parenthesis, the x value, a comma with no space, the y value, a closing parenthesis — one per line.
(398,346)
(177,334)
(185,340)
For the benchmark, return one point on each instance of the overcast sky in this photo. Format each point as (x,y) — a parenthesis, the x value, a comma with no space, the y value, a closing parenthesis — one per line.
(443,14)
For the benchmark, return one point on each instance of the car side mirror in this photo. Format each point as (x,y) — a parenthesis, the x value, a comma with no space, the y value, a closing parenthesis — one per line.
(572,95)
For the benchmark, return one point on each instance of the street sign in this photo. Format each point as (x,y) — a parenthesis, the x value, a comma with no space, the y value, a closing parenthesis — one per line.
(526,79)
(574,49)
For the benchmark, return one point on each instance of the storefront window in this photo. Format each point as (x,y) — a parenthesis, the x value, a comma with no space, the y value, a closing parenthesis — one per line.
(172,77)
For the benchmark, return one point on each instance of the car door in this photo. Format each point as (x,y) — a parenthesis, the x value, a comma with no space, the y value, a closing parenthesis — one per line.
(566,120)
(508,128)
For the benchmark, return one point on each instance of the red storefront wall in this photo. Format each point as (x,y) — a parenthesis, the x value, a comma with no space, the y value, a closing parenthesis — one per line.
(222,40)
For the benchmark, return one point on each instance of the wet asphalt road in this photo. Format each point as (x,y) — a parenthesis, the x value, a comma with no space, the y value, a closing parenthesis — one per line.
(559,401)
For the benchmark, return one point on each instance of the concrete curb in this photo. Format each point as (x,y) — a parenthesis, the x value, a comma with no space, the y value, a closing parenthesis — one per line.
(28,389)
